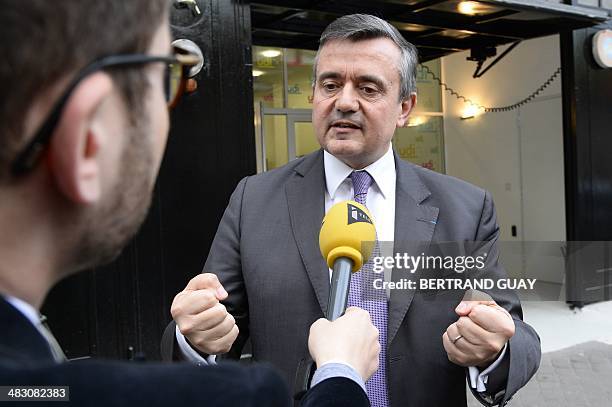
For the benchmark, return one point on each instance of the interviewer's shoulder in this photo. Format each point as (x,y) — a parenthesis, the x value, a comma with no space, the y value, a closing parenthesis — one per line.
(102,383)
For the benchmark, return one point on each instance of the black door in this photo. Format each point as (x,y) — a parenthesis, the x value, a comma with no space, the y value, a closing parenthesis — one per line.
(120,310)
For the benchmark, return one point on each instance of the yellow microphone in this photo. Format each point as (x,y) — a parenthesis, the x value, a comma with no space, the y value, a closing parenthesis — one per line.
(346,241)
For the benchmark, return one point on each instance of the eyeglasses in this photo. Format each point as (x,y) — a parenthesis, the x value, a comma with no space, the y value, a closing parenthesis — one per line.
(175,78)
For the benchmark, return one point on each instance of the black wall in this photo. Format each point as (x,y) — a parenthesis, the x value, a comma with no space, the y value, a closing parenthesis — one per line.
(587,116)
(120,310)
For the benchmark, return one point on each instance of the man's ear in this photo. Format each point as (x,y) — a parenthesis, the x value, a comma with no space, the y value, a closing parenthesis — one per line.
(74,152)
(407,105)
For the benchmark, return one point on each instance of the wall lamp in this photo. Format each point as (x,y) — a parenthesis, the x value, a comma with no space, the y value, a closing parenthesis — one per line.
(471,111)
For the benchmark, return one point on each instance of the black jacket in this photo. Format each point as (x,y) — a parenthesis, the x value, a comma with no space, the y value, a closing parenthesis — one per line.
(26,359)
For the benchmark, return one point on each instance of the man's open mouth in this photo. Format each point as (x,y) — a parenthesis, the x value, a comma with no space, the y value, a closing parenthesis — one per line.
(343,124)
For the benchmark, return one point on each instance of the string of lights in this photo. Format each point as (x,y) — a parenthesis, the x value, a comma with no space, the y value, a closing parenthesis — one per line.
(486,109)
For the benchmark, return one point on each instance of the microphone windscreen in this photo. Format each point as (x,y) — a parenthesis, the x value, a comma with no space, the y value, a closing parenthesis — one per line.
(347,231)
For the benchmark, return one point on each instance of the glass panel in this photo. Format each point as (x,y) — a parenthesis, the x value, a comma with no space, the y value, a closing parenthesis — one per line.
(275,133)
(429,92)
(305,140)
(299,78)
(268,76)
(422,142)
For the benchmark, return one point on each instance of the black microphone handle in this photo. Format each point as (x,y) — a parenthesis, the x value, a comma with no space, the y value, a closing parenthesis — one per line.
(339,289)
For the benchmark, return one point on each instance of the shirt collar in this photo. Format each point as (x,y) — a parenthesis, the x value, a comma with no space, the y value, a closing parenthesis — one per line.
(26,309)
(382,171)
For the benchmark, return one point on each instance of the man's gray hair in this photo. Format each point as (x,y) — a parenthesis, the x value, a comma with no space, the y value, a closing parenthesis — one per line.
(357,27)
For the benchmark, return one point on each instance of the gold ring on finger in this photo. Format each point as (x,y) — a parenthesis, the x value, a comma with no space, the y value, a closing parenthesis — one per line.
(456,339)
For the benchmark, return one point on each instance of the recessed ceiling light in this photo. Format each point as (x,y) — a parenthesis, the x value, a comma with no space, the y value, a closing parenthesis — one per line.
(271,53)
(468,7)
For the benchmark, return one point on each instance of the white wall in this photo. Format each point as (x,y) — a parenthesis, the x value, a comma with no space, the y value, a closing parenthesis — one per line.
(517,155)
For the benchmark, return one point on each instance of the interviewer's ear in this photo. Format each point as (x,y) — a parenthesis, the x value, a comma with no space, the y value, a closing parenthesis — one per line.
(75,153)
(407,105)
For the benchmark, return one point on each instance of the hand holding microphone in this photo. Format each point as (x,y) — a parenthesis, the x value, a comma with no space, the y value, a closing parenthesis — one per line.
(351,339)
(200,316)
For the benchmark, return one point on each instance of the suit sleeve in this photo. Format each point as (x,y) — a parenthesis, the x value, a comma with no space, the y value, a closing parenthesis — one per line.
(523,354)
(111,384)
(224,261)
(336,392)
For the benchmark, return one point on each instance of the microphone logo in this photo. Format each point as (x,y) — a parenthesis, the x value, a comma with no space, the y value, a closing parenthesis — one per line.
(357,215)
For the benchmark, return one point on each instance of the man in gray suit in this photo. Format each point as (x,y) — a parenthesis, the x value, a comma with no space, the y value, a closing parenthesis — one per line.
(275,282)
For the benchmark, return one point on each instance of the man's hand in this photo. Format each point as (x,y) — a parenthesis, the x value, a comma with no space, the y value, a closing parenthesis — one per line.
(200,316)
(480,333)
(351,339)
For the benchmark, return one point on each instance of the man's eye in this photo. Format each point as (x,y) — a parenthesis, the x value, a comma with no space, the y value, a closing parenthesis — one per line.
(368,90)
(330,86)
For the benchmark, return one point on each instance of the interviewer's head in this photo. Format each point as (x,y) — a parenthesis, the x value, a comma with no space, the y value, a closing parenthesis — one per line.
(87,186)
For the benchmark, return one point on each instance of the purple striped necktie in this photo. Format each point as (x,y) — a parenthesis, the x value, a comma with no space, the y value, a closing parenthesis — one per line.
(373,301)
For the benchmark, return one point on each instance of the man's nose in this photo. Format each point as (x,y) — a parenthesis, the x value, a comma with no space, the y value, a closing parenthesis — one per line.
(347,99)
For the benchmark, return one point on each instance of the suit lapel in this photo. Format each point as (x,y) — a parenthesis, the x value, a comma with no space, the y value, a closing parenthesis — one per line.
(414,227)
(306,202)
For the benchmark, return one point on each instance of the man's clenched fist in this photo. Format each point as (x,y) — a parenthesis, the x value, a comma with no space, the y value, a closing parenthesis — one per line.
(480,333)
(200,316)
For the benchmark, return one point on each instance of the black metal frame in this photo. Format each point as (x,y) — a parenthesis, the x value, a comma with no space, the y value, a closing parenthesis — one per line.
(586,88)
(299,23)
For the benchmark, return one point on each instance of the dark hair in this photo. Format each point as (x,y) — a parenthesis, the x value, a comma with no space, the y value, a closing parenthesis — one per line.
(42,42)
(358,27)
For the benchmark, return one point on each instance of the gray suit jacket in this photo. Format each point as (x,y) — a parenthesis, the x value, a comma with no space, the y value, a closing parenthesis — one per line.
(267,257)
